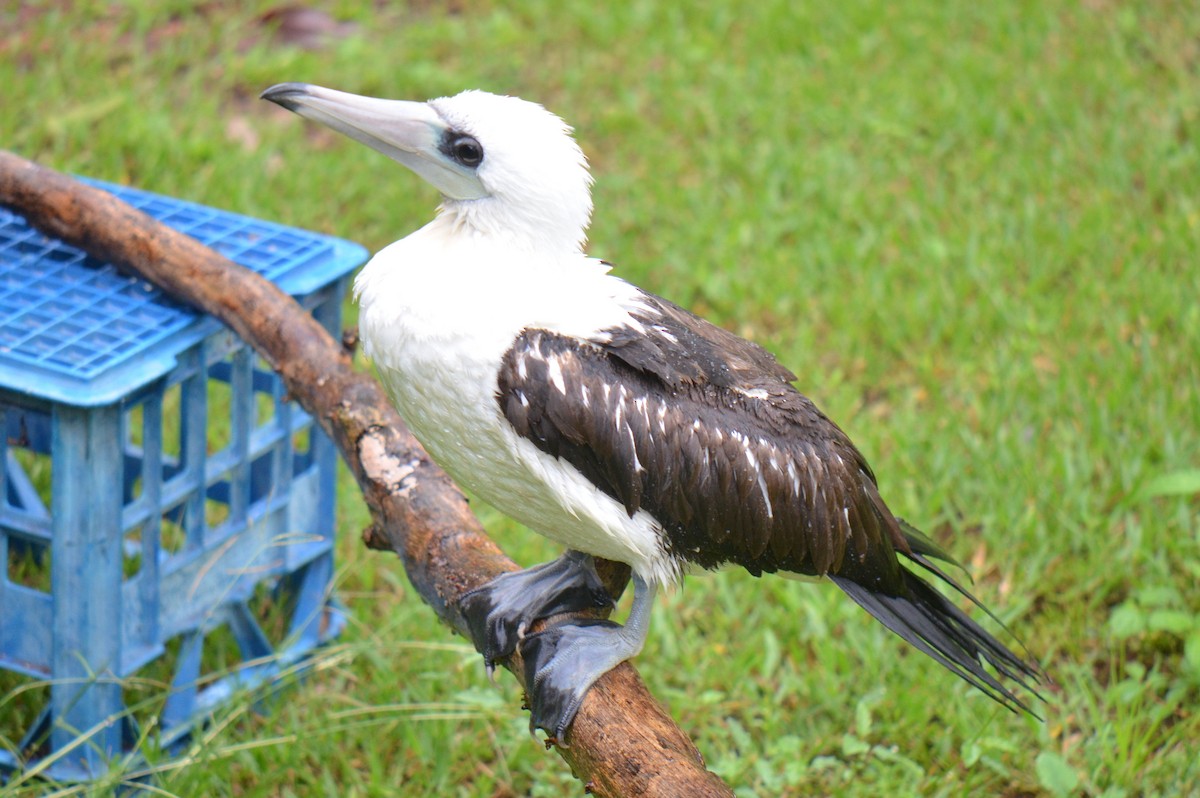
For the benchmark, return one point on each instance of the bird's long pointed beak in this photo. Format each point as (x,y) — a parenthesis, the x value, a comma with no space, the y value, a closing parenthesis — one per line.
(409,132)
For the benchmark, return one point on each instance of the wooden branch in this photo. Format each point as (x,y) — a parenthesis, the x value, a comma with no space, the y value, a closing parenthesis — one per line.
(622,743)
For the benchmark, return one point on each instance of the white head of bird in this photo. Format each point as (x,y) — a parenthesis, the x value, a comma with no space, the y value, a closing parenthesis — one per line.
(507,168)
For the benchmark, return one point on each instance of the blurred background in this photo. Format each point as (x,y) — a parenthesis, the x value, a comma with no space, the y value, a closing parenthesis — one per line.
(973,230)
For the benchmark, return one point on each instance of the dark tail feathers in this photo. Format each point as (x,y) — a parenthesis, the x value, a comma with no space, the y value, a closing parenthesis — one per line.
(933,624)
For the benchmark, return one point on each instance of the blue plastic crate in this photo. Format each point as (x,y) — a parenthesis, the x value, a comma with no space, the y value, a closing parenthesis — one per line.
(158,489)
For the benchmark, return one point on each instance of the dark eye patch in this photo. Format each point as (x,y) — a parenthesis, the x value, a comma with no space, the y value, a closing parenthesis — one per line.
(462,148)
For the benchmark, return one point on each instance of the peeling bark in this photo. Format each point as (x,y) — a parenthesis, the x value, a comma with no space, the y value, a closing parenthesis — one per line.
(622,742)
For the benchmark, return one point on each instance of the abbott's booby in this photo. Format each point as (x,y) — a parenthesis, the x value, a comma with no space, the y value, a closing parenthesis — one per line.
(604,417)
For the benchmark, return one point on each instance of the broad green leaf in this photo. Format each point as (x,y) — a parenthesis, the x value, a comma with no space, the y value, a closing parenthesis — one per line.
(971,753)
(852,746)
(1191,652)
(1173,483)
(1056,774)
(1127,620)
(1174,621)
(1158,596)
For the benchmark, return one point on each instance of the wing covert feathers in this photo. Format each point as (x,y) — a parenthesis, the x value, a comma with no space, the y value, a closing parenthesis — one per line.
(752,474)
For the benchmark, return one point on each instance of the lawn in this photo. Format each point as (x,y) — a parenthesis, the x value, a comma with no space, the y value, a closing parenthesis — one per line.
(973,229)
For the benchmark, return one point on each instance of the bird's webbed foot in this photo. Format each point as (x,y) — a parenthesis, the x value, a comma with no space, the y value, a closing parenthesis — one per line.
(499,613)
(563,662)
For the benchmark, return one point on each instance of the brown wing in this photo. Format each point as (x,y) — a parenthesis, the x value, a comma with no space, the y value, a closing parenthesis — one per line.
(703,430)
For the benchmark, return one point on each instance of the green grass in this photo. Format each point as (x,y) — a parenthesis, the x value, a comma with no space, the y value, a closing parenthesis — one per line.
(973,229)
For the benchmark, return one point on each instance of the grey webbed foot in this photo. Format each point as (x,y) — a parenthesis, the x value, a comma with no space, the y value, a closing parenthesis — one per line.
(562,663)
(498,613)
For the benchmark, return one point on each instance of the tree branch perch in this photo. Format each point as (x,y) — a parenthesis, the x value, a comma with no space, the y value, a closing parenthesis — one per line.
(622,743)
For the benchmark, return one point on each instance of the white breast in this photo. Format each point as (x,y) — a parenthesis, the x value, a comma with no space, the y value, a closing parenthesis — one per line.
(438,312)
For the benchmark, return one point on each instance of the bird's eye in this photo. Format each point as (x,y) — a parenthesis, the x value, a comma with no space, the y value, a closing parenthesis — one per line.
(466,151)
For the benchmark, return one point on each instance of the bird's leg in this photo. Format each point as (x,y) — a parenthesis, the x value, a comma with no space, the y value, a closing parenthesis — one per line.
(562,663)
(499,613)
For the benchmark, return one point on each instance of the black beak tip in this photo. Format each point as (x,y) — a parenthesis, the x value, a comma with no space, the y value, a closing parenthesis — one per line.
(285,94)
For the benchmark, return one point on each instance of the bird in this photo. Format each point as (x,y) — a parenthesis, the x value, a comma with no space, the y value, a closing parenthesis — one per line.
(607,418)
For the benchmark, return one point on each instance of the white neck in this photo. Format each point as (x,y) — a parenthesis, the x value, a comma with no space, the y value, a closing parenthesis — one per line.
(546,227)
